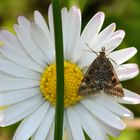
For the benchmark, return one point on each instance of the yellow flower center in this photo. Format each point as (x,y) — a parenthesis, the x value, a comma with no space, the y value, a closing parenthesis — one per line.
(72,76)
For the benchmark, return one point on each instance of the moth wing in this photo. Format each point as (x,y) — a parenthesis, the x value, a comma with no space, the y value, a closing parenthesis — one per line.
(90,84)
(112,84)
(84,89)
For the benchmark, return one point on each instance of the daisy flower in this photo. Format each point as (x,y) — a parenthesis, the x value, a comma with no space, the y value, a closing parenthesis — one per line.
(28,78)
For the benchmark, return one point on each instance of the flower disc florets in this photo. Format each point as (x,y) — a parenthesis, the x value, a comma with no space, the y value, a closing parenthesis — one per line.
(72,76)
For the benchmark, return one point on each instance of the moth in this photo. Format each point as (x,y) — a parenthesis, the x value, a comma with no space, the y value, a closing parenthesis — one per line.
(101,76)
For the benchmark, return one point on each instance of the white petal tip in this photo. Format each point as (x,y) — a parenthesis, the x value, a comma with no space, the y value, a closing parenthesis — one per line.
(64,9)
(119,34)
(74,8)
(36,13)
(133,50)
(129,115)
(122,32)
(113,26)
(50,7)
(22,20)
(132,99)
(123,126)
(128,71)
(100,16)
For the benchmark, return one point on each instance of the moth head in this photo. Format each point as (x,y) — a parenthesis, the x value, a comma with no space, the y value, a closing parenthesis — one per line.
(102,53)
(103,49)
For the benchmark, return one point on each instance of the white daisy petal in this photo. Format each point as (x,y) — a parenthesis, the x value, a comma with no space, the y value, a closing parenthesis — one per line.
(16,96)
(35,53)
(103,37)
(104,133)
(39,20)
(90,126)
(112,44)
(111,105)
(24,22)
(74,124)
(89,33)
(92,28)
(18,111)
(127,71)
(64,13)
(51,133)
(85,61)
(25,27)
(13,50)
(115,41)
(129,98)
(44,128)
(15,56)
(13,84)
(118,34)
(68,130)
(10,40)
(110,130)
(17,70)
(73,31)
(98,42)
(108,117)
(5,76)
(50,20)
(64,125)
(122,55)
(31,123)
(42,41)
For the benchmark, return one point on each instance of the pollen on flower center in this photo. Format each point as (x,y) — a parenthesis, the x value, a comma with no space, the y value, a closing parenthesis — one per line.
(72,76)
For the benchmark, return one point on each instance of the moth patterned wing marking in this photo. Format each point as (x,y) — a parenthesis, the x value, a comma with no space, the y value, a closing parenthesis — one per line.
(112,85)
(116,90)
(84,89)
(90,83)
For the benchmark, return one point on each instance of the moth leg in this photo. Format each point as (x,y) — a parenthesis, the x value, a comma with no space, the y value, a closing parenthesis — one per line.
(114,62)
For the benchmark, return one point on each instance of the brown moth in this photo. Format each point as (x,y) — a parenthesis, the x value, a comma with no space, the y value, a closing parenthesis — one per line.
(101,76)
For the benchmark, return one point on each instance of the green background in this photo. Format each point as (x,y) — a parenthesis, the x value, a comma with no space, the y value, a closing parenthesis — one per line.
(125,13)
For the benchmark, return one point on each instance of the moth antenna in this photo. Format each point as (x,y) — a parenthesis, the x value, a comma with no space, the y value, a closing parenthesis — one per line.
(88,50)
(91,49)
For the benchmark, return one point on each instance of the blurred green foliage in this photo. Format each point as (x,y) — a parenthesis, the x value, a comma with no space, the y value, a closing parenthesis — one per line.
(125,13)
(128,134)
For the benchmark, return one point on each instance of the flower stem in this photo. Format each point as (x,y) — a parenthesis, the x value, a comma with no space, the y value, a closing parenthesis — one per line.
(58,132)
